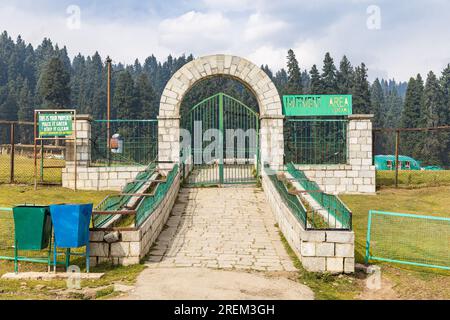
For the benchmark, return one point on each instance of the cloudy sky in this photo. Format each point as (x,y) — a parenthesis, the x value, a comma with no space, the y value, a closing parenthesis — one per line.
(395,38)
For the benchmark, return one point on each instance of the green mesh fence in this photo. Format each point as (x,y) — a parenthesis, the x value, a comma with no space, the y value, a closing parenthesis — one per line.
(316,141)
(140,142)
(408,239)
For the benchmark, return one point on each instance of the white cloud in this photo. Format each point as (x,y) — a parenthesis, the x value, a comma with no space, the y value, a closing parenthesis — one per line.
(263,27)
(195,32)
(409,41)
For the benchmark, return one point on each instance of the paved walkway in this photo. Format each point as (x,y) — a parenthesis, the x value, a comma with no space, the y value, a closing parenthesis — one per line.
(221,228)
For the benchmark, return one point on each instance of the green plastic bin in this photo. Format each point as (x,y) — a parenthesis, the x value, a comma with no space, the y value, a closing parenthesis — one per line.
(33,227)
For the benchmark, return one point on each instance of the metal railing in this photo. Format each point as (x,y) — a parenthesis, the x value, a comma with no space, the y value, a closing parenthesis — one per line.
(115,207)
(336,209)
(316,141)
(291,200)
(116,202)
(150,203)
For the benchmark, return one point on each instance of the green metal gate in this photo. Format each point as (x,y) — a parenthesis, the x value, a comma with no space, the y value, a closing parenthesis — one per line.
(235,160)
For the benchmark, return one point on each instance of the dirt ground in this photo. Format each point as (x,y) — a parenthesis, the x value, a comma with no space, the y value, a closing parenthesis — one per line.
(210,284)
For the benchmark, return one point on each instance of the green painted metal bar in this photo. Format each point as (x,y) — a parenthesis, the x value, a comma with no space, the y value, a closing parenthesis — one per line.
(221,177)
(409,215)
(369,227)
(410,263)
(124,121)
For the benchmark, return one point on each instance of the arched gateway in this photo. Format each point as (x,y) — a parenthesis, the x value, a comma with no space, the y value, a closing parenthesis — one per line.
(256,80)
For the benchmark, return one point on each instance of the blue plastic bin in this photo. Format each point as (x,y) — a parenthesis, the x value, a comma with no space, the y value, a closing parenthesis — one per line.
(71,224)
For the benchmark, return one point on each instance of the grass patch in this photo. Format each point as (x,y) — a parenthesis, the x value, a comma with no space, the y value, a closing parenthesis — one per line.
(414,179)
(24,169)
(410,281)
(104,292)
(56,289)
(11,195)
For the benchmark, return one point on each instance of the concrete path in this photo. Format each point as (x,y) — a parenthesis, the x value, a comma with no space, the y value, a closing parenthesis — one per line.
(226,228)
(209,284)
(219,243)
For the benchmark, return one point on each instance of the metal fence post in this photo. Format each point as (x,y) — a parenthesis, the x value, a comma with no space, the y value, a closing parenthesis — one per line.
(12,154)
(397,146)
(369,225)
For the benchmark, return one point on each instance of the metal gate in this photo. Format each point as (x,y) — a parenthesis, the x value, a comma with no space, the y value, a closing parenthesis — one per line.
(224,146)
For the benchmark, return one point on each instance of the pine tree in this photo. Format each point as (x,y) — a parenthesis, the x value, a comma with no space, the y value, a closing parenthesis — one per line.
(125,102)
(294,83)
(147,101)
(434,147)
(345,76)
(410,117)
(267,70)
(280,80)
(54,85)
(445,84)
(377,103)
(316,82)
(360,91)
(329,77)
(25,104)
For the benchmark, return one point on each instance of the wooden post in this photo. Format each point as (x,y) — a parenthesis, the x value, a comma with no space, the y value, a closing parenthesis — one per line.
(12,154)
(397,146)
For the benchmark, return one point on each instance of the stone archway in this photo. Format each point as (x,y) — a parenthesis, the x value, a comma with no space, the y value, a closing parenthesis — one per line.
(246,72)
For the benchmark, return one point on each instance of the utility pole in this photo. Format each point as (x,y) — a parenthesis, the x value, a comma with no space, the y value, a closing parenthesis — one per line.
(108,124)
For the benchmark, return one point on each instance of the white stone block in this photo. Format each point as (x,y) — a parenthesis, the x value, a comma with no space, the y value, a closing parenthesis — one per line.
(335,265)
(120,249)
(349,265)
(340,236)
(135,249)
(345,250)
(308,249)
(314,264)
(99,249)
(325,249)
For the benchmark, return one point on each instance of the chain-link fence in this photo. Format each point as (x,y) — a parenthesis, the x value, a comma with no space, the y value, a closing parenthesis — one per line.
(17,160)
(412,157)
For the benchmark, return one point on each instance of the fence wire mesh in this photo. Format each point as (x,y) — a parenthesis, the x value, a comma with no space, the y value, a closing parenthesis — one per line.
(408,239)
(140,142)
(17,156)
(424,156)
(318,141)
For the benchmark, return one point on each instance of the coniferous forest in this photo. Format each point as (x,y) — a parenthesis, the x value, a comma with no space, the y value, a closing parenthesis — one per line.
(46,77)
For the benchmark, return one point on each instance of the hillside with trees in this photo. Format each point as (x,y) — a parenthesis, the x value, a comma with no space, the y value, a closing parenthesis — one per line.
(46,77)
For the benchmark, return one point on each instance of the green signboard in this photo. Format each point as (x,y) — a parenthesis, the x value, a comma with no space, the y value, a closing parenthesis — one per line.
(55,124)
(317,105)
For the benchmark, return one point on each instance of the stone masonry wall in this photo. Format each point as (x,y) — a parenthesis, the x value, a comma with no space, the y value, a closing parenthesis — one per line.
(100,178)
(319,251)
(358,175)
(93,178)
(132,246)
